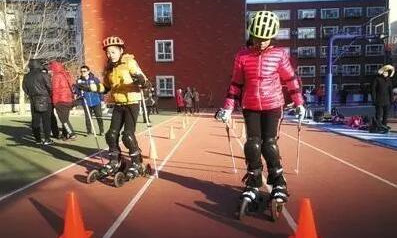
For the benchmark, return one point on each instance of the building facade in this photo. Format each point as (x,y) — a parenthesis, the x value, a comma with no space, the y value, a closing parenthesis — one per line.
(177,43)
(307,26)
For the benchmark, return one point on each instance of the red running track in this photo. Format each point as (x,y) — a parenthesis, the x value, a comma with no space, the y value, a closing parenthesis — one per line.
(351,184)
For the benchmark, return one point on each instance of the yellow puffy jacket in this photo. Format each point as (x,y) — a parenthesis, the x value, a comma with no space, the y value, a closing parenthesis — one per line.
(120,82)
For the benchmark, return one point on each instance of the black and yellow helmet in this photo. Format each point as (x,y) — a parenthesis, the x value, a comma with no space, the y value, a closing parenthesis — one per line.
(264,25)
(112,40)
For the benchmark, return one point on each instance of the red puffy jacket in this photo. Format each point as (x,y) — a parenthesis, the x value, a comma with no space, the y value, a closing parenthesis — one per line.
(257,80)
(61,84)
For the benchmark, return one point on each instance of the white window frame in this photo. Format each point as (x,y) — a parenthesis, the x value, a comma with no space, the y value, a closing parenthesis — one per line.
(324,10)
(356,52)
(312,69)
(378,7)
(370,71)
(381,26)
(324,71)
(156,17)
(329,27)
(352,8)
(301,14)
(157,50)
(283,15)
(324,51)
(346,73)
(369,53)
(158,89)
(283,36)
(356,26)
(301,53)
(305,28)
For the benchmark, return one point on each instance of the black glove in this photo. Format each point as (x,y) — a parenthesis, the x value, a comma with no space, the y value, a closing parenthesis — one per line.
(83,87)
(138,79)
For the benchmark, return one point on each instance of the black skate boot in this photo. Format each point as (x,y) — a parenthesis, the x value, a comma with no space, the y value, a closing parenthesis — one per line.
(133,170)
(279,192)
(249,197)
(110,169)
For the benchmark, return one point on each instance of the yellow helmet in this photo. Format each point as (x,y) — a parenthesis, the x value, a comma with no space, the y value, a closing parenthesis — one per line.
(264,25)
(112,40)
(388,68)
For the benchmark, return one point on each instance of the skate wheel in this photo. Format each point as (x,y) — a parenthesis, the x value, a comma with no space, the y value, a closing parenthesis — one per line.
(276,209)
(243,208)
(148,170)
(92,176)
(119,179)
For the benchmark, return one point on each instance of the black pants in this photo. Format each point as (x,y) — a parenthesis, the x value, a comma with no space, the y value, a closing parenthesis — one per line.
(123,116)
(148,109)
(54,124)
(196,105)
(97,110)
(382,113)
(262,134)
(63,111)
(190,110)
(41,119)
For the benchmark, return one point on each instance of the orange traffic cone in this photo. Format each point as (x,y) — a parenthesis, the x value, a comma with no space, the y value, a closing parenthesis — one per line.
(74,227)
(153,156)
(172,134)
(306,227)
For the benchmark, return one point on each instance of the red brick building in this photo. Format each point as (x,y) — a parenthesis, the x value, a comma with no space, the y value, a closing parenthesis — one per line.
(177,43)
(305,30)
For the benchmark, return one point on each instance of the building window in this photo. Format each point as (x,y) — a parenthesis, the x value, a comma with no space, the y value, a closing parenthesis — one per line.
(351,50)
(283,34)
(324,70)
(164,50)
(352,30)
(372,69)
(163,13)
(353,12)
(306,13)
(374,11)
(307,71)
(380,28)
(306,33)
(374,50)
(330,13)
(165,86)
(307,52)
(324,51)
(328,31)
(283,14)
(351,70)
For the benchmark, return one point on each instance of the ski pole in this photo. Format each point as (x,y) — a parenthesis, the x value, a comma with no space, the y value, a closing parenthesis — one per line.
(230,147)
(298,147)
(93,128)
(149,131)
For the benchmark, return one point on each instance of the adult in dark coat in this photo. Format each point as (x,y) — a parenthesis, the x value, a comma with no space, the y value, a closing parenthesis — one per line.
(37,86)
(382,94)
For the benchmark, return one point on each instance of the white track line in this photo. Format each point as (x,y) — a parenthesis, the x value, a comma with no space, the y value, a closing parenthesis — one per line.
(291,222)
(139,195)
(67,167)
(345,162)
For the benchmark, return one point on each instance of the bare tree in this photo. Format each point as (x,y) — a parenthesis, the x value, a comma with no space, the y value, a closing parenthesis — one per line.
(33,29)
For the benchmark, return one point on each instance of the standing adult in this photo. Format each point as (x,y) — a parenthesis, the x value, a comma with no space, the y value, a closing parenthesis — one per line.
(188,98)
(54,122)
(196,101)
(62,97)
(382,94)
(37,86)
(91,100)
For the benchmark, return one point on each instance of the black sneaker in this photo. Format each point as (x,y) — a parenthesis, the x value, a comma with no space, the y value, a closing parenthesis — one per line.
(48,142)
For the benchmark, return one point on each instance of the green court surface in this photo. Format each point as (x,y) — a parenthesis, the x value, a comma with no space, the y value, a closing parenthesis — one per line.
(22,161)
